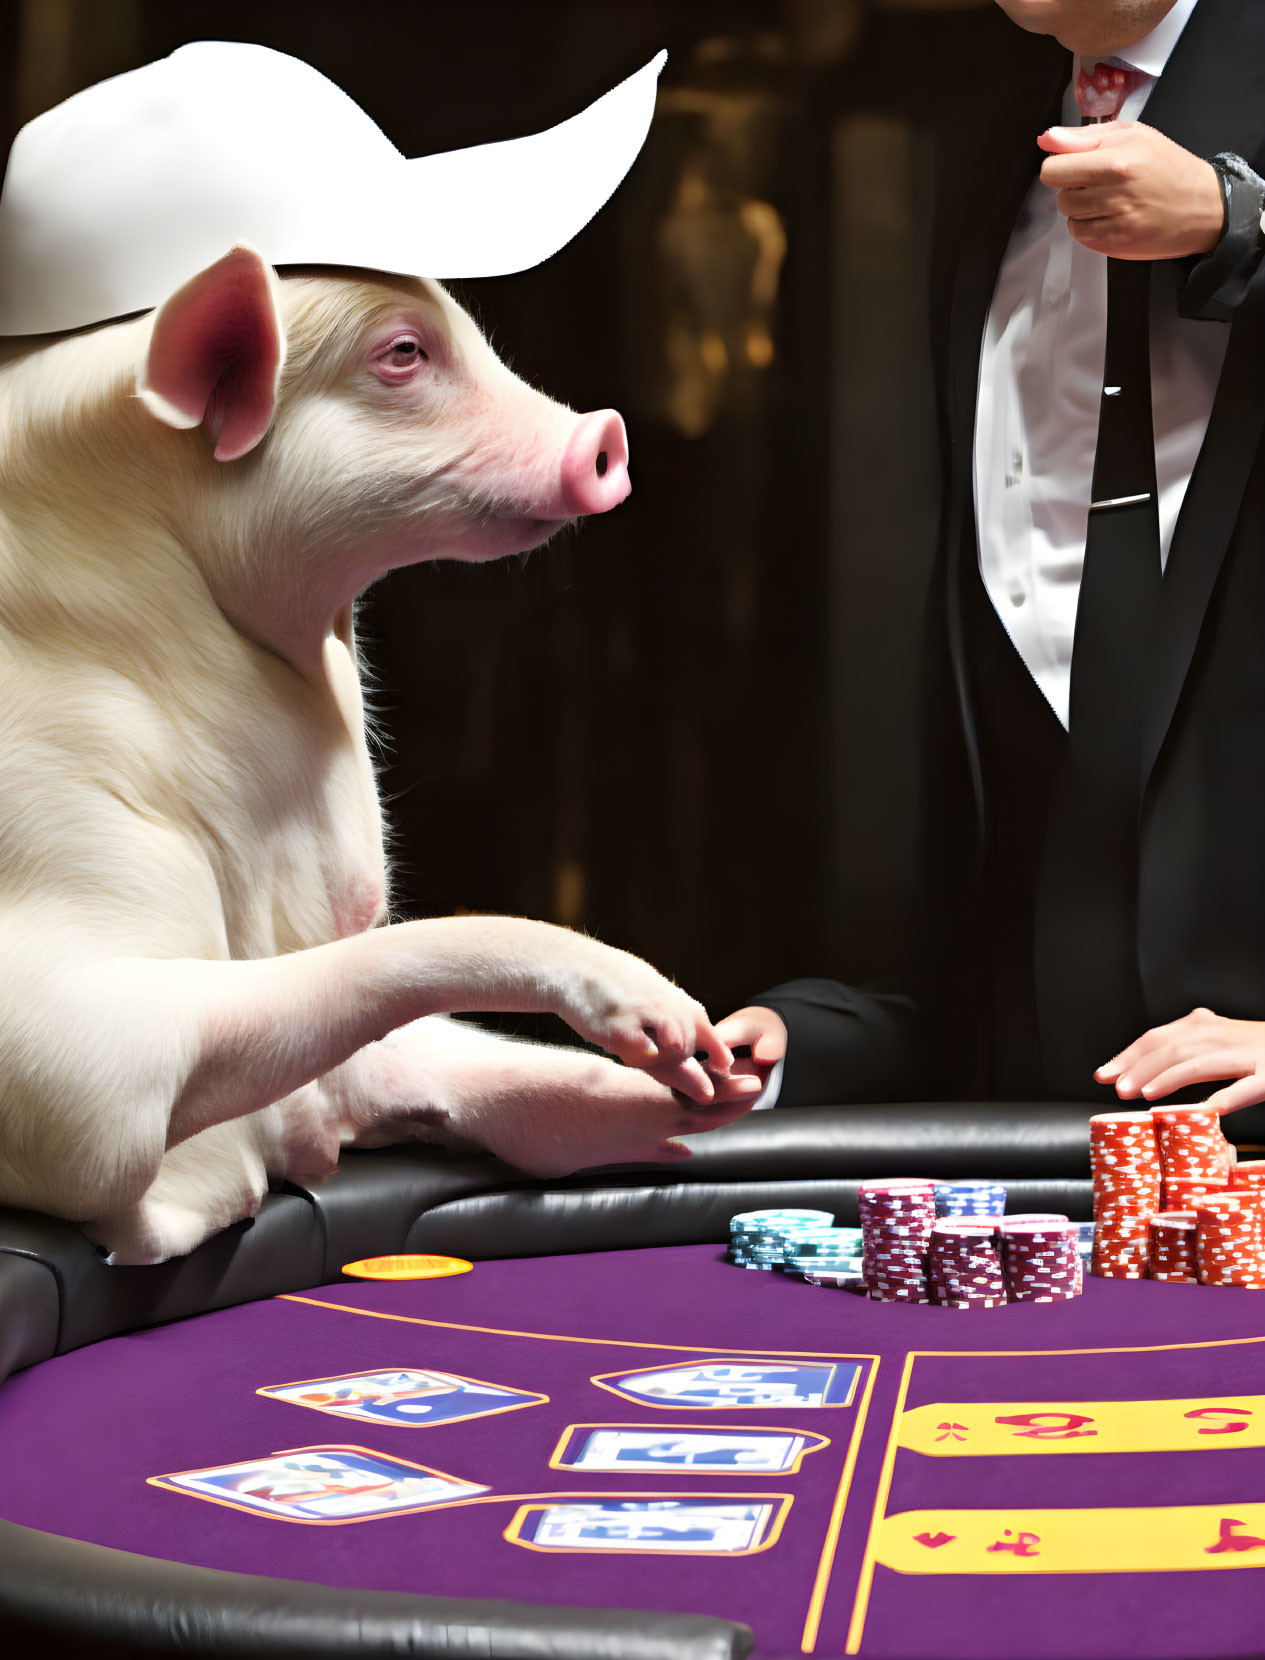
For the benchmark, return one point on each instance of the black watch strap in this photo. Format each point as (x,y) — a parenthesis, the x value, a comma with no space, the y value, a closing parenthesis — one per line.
(1216,282)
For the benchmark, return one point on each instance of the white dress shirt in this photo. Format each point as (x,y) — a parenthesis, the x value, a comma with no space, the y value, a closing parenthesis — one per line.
(1040,384)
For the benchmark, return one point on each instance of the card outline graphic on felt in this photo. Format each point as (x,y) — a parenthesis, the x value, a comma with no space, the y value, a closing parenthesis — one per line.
(511,1400)
(767,1525)
(182,1482)
(802,1443)
(838,1376)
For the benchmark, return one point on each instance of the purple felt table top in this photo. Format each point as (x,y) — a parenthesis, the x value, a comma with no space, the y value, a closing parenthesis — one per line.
(657,1429)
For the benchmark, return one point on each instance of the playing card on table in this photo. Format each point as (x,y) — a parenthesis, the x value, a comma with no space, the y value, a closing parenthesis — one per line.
(652,1525)
(321,1484)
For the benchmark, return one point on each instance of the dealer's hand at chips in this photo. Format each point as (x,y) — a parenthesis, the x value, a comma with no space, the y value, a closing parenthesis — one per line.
(1201,1047)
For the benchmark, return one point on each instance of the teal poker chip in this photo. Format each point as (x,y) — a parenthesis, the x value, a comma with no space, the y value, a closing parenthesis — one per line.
(768,1221)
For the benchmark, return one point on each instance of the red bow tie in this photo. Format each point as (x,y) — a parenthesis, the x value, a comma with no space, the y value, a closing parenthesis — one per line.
(1101,89)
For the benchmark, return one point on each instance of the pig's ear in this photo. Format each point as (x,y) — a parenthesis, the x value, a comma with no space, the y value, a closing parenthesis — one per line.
(216,354)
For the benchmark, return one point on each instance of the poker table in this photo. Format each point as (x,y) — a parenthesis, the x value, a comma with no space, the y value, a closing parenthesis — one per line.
(605,1441)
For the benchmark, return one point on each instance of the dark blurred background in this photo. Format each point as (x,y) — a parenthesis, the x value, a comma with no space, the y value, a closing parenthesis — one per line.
(688,728)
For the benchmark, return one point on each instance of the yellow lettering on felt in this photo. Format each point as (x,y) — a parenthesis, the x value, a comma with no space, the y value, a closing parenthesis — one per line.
(990,1429)
(1164,1539)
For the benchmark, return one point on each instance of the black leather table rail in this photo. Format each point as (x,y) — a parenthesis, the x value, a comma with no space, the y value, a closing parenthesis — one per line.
(56,1292)
(60,1598)
(63,1597)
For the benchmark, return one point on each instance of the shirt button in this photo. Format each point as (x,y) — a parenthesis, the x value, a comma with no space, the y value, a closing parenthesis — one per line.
(1017,596)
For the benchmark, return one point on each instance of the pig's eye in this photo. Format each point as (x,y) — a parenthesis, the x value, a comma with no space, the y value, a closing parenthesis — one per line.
(401,358)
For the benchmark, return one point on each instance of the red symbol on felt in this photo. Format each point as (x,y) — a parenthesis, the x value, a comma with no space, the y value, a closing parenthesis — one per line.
(1049,1426)
(1101,89)
(1021,1545)
(933,1541)
(1230,1540)
(948,1431)
(1226,1428)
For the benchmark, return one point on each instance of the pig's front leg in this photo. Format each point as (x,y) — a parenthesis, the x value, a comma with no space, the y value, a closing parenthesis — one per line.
(266,1028)
(548,1111)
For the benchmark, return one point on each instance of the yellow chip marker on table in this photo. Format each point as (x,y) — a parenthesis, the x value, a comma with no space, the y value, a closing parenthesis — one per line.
(408,1267)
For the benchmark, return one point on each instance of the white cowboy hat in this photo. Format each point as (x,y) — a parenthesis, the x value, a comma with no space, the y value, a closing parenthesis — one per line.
(116,197)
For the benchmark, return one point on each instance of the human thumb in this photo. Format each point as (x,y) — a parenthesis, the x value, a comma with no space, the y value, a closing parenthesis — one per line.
(1065,141)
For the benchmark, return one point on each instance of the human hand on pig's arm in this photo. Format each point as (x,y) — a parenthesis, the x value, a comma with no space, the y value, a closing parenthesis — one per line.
(760,1035)
(818,1042)
(1200,1048)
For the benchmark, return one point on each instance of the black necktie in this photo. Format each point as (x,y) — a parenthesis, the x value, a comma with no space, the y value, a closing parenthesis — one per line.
(1089,991)
(1120,578)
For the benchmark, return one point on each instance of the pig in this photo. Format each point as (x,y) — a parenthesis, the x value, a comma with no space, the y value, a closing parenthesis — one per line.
(201,992)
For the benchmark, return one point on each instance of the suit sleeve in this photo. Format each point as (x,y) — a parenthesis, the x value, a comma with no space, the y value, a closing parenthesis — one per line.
(845,1045)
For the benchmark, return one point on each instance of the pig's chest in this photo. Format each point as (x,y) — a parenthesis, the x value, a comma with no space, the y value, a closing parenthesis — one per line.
(294,832)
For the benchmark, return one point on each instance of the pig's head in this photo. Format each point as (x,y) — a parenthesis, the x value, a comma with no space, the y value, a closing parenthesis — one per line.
(327,426)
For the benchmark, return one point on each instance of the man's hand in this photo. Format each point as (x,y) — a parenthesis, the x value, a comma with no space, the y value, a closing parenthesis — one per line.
(1130,192)
(760,1030)
(1197,1049)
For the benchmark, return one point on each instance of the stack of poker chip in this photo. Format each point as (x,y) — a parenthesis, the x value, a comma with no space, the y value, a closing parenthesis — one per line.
(970,1198)
(1172,1254)
(1125,1162)
(1040,1260)
(764,1239)
(1249,1180)
(896,1222)
(827,1256)
(964,1268)
(1191,1146)
(1228,1240)
(1200,1177)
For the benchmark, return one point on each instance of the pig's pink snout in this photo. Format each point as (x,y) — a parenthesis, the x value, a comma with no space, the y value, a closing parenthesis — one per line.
(595,464)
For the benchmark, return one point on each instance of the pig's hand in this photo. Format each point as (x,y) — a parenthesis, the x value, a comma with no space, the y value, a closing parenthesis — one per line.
(624,1006)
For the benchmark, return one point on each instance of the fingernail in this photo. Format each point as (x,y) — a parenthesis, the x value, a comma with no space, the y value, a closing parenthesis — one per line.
(1124,1083)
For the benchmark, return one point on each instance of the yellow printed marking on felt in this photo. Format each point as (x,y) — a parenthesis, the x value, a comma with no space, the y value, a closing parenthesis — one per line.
(986,1429)
(1163,1539)
(409,1267)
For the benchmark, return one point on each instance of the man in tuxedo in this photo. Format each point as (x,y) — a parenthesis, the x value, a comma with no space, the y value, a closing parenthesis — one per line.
(1092,897)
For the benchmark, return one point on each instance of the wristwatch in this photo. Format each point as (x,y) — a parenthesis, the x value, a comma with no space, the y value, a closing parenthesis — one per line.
(1242,193)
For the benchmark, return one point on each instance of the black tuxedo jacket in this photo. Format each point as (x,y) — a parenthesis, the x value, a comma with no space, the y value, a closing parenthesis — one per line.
(1201,870)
